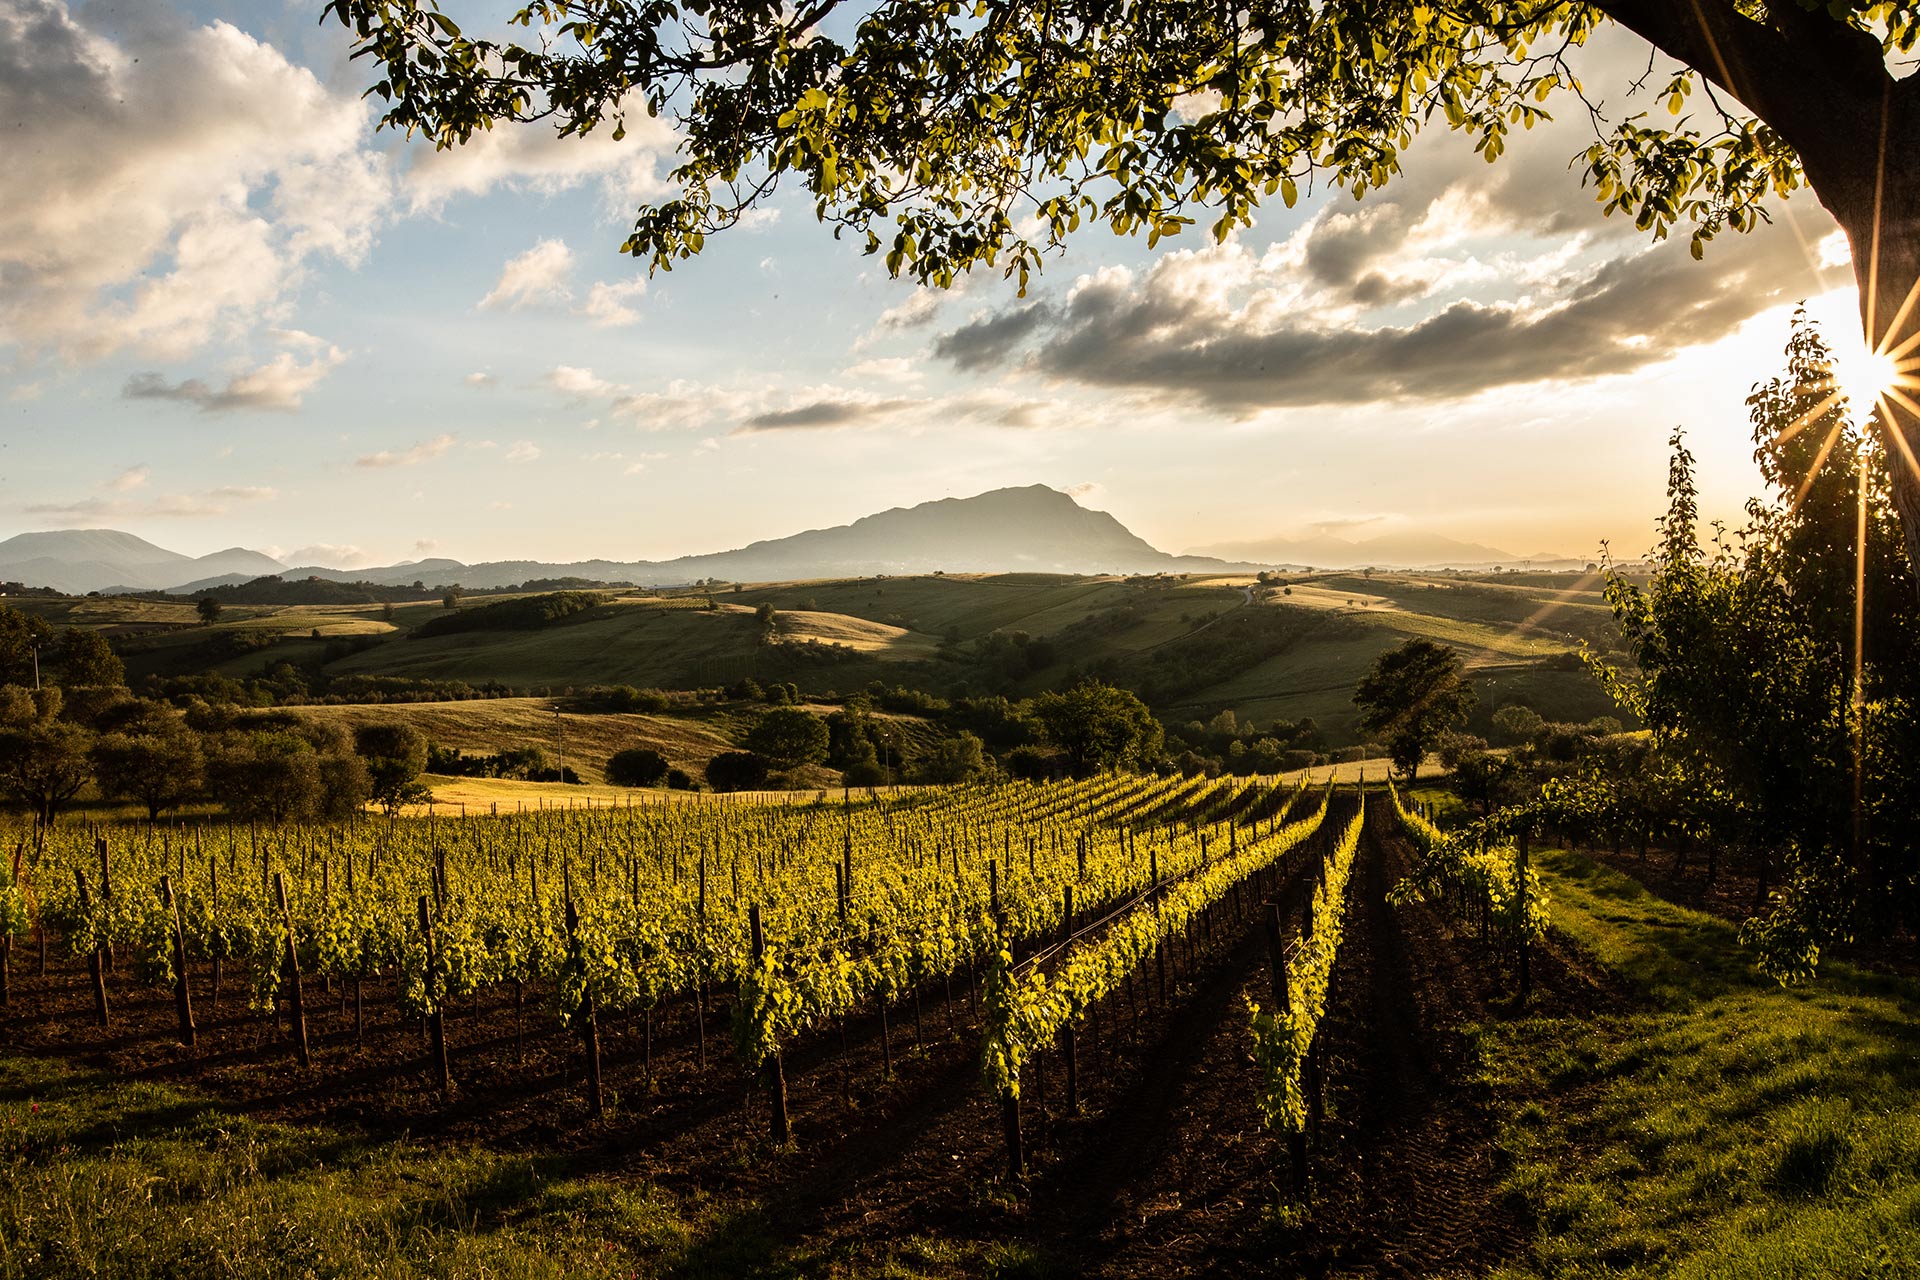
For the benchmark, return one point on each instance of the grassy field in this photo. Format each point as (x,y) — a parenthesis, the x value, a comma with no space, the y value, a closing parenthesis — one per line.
(487,726)
(1719,1126)
(1513,631)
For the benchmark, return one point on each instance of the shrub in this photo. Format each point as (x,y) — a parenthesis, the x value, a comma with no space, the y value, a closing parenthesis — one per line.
(636,767)
(737,771)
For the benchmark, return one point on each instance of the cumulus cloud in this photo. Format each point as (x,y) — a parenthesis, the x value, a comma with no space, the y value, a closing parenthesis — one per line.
(522,451)
(537,277)
(578,383)
(422,452)
(606,304)
(535,158)
(167,187)
(481,381)
(1238,356)
(280,384)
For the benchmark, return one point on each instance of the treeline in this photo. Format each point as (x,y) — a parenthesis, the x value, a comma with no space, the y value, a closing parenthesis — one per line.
(529,613)
(267,765)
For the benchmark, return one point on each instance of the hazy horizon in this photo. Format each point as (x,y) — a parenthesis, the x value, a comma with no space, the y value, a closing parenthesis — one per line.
(299,336)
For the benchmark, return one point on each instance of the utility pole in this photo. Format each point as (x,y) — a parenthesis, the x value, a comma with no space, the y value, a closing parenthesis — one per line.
(36,666)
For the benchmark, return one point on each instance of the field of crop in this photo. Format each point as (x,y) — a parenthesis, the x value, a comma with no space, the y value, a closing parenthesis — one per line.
(800,1036)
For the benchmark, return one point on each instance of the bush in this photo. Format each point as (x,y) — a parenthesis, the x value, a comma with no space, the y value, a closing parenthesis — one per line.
(636,767)
(737,771)
(1031,764)
(680,780)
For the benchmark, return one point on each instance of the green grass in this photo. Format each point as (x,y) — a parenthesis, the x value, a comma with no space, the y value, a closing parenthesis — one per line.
(1724,1127)
(135,1180)
(101,1178)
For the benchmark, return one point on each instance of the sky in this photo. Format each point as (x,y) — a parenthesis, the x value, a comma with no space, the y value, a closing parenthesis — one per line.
(232,313)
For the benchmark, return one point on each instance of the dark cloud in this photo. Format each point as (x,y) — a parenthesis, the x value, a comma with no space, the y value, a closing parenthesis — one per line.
(1156,335)
(821,415)
(151,386)
(988,341)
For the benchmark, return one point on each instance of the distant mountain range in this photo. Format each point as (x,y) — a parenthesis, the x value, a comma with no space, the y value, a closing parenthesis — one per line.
(82,560)
(1032,529)
(1410,550)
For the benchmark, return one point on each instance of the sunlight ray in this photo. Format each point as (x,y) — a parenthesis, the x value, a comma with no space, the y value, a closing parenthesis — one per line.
(1812,415)
(1813,470)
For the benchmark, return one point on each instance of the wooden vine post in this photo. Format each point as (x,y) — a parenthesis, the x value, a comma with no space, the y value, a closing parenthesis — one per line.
(290,973)
(95,962)
(589,1012)
(1070,1048)
(436,1025)
(1009,1097)
(182,997)
(777,1125)
(1520,887)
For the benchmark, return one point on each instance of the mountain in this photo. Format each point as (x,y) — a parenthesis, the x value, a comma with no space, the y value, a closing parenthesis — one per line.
(1032,529)
(82,560)
(1409,550)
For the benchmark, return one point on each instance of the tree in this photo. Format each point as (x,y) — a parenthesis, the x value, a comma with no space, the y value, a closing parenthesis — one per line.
(86,658)
(788,736)
(208,607)
(1099,727)
(637,767)
(394,755)
(956,759)
(21,636)
(150,756)
(1795,739)
(1412,695)
(43,757)
(736,771)
(950,136)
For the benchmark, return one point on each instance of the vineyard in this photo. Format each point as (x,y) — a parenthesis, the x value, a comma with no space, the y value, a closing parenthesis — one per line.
(909,995)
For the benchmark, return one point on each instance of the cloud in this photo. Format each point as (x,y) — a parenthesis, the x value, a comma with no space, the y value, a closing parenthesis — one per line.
(535,158)
(538,277)
(606,304)
(987,340)
(522,451)
(889,369)
(421,452)
(427,546)
(1243,355)
(168,186)
(822,415)
(917,312)
(326,555)
(280,384)
(213,502)
(481,381)
(131,478)
(579,383)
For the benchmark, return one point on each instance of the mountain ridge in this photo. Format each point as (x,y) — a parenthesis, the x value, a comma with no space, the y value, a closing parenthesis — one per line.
(1031,528)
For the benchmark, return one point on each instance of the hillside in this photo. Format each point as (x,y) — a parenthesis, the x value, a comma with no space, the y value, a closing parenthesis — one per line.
(1190,646)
